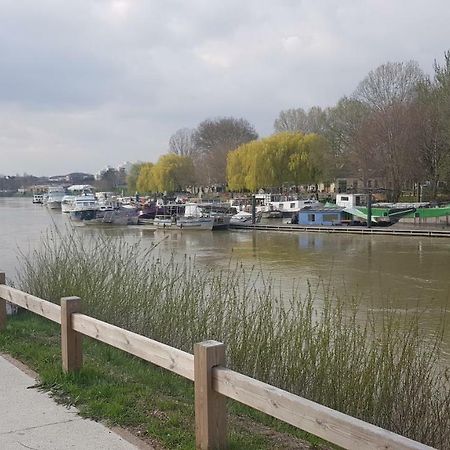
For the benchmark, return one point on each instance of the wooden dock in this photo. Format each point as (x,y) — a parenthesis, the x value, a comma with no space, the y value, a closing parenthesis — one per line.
(346,230)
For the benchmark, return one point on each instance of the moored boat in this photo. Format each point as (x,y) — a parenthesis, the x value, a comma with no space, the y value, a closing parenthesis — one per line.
(54,197)
(38,198)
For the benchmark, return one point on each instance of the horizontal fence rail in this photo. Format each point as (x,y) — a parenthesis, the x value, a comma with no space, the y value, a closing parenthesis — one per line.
(213,381)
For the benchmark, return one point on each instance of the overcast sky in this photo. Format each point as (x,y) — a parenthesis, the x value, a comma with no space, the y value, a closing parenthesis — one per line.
(84,84)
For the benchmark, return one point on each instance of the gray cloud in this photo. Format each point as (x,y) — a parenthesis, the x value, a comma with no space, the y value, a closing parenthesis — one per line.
(90,83)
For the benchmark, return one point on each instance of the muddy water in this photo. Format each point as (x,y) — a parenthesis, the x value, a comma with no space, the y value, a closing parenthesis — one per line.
(407,272)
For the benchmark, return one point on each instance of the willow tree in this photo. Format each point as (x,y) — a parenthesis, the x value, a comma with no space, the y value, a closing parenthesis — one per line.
(293,158)
(145,181)
(172,173)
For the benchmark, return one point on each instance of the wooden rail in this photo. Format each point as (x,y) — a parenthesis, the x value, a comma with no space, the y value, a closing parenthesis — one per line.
(213,381)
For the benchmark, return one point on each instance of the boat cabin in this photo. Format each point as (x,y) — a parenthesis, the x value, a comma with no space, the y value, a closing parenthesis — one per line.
(323,216)
(351,200)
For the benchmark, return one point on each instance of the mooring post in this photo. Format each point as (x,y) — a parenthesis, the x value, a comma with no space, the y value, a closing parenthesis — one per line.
(210,406)
(71,351)
(2,304)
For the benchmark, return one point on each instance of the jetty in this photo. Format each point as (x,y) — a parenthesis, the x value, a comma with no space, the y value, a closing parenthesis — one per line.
(428,232)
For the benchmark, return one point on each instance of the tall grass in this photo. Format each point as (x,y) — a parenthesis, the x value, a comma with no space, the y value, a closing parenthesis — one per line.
(382,371)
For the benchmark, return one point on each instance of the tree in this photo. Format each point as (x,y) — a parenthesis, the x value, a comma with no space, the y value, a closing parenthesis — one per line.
(390,84)
(213,139)
(182,143)
(110,179)
(298,121)
(434,110)
(133,176)
(389,91)
(292,158)
(291,120)
(172,173)
(145,181)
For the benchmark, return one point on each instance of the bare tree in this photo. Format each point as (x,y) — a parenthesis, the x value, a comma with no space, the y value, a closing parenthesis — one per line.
(293,120)
(350,131)
(182,142)
(434,109)
(389,84)
(297,120)
(389,92)
(213,139)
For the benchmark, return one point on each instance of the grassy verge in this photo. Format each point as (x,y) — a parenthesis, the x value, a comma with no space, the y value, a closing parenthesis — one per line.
(386,370)
(121,390)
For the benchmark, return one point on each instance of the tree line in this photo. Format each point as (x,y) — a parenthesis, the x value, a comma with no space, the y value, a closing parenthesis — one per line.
(394,127)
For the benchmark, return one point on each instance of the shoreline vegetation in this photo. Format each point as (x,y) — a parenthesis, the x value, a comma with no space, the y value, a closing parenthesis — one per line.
(387,372)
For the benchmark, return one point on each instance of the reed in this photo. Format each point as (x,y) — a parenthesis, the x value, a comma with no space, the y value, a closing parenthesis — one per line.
(386,371)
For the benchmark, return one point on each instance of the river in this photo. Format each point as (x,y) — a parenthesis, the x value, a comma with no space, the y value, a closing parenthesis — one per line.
(406,272)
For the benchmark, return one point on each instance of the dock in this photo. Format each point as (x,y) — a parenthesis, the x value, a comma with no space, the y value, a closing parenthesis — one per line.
(345,230)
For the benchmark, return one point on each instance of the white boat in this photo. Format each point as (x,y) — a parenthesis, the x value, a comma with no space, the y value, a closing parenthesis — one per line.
(38,198)
(195,223)
(84,207)
(77,190)
(164,221)
(244,218)
(54,197)
(194,218)
(277,205)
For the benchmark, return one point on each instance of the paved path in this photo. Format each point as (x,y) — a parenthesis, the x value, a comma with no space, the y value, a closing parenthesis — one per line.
(30,419)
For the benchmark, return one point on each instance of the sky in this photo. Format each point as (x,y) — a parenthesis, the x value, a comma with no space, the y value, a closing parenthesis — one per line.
(90,83)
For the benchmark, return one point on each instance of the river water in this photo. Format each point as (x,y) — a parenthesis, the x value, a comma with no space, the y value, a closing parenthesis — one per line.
(406,272)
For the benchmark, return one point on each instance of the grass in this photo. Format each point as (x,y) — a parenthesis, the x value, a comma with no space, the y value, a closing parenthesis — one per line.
(388,372)
(122,390)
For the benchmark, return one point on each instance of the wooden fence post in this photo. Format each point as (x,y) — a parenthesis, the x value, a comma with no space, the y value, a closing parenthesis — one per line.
(71,351)
(210,406)
(2,304)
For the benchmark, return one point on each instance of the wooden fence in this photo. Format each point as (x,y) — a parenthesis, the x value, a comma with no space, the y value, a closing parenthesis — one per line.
(213,381)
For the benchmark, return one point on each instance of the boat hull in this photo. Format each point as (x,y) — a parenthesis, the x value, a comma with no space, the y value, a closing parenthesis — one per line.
(200,223)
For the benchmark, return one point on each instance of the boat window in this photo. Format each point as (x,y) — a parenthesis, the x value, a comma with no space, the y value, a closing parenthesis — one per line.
(311,217)
(292,205)
(344,199)
(330,218)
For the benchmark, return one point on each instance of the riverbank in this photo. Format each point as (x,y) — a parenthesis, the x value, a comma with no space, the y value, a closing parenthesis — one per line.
(153,404)
(363,363)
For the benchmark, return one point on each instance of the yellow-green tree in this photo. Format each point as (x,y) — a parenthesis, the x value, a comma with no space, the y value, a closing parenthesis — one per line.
(145,181)
(293,158)
(171,173)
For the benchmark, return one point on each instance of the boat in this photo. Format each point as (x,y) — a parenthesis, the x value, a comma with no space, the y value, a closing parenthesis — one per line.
(194,218)
(54,197)
(221,221)
(245,218)
(164,221)
(220,212)
(75,191)
(38,198)
(166,216)
(384,217)
(274,206)
(85,207)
